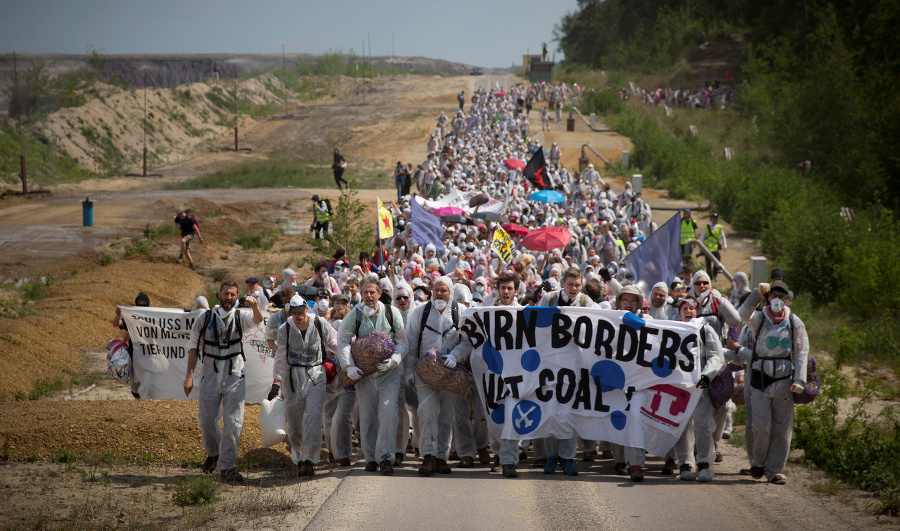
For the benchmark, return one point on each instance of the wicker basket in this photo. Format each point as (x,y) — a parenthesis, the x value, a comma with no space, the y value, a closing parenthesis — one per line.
(431,369)
(367,352)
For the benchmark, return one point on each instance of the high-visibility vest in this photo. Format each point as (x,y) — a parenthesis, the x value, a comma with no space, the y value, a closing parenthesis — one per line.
(322,216)
(711,241)
(687,230)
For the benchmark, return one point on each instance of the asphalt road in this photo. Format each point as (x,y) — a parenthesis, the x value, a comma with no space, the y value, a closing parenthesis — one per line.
(596,499)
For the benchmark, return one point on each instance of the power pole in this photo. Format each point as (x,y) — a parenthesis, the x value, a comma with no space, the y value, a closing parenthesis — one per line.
(284,84)
(24,175)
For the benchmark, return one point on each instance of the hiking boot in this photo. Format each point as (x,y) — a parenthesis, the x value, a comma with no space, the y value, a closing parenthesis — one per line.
(453,456)
(509,471)
(539,463)
(398,459)
(484,456)
(744,472)
(550,467)
(466,462)
(637,473)
(427,467)
(606,454)
(569,467)
(441,466)
(621,469)
(210,464)
(669,467)
(523,455)
(726,435)
(305,469)
(757,472)
(704,473)
(193,268)
(330,457)
(344,461)
(686,474)
(386,468)
(588,456)
(718,457)
(777,479)
(232,475)
(371,466)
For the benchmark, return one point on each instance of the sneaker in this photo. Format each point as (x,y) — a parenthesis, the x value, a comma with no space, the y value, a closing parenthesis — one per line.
(453,456)
(398,459)
(305,469)
(210,464)
(777,479)
(669,467)
(523,455)
(621,469)
(569,467)
(550,467)
(330,458)
(427,467)
(484,455)
(637,473)
(193,268)
(386,468)
(757,472)
(704,473)
(718,457)
(744,472)
(344,461)
(232,475)
(726,435)
(371,466)
(441,466)
(607,454)
(509,471)
(588,456)
(686,474)
(466,462)
(539,463)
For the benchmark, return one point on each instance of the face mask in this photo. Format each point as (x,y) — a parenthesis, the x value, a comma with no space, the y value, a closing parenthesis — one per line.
(323,275)
(322,305)
(439,304)
(368,312)
(479,288)
(777,305)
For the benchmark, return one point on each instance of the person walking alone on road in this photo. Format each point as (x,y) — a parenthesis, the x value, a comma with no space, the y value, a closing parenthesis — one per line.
(190,229)
(338,167)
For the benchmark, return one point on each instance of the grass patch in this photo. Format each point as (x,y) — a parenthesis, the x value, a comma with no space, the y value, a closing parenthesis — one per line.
(828,487)
(218,275)
(139,247)
(195,491)
(160,231)
(33,291)
(195,460)
(737,439)
(279,174)
(46,387)
(66,456)
(249,242)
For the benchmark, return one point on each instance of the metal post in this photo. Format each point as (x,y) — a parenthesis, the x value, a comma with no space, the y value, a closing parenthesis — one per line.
(284,84)
(714,260)
(757,270)
(637,182)
(145,122)
(362,82)
(24,174)
(235,108)
(392,56)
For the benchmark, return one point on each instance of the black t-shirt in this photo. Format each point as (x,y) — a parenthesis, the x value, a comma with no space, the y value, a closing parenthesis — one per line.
(186,225)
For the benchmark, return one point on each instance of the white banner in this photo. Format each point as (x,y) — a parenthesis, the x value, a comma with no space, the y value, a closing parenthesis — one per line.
(603,374)
(159,360)
(460,199)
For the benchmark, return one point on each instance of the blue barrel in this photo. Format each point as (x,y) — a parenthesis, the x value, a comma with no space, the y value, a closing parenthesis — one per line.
(87,212)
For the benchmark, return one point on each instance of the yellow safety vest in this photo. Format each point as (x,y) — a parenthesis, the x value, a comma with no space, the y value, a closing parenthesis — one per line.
(687,230)
(322,217)
(712,238)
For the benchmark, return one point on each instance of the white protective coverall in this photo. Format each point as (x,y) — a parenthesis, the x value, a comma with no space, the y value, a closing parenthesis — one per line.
(377,393)
(222,384)
(298,365)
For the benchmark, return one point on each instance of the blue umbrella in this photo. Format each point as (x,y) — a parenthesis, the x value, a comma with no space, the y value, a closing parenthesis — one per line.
(534,150)
(547,196)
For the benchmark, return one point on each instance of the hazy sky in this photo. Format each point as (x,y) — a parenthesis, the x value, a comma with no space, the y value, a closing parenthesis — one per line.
(490,33)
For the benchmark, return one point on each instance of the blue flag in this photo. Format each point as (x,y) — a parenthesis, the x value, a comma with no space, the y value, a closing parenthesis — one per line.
(658,259)
(426,227)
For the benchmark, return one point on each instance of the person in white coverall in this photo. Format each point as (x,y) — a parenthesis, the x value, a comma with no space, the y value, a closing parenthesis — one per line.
(216,341)
(698,433)
(301,347)
(775,346)
(404,301)
(436,408)
(376,393)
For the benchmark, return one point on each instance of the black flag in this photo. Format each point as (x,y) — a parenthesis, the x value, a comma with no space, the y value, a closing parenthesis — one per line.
(536,170)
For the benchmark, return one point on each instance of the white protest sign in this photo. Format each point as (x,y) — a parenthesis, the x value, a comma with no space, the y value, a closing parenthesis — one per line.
(602,374)
(160,355)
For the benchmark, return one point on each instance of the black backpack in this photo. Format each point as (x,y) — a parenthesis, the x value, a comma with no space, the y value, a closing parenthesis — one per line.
(454,314)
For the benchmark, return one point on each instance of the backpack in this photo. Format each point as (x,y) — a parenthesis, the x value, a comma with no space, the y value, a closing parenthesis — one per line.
(193,217)
(328,204)
(454,315)
(388,313)
(812,387)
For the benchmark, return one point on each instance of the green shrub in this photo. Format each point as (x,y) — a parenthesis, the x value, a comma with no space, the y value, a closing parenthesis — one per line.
(218,275)
(195,491)
(603,102)
(33,291)
(139,247)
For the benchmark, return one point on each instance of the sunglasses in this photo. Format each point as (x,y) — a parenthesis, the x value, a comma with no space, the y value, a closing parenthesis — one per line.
(401,297)
(701,283)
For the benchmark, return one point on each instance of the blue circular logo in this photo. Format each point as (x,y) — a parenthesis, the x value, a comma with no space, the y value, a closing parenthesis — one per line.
(610,374)
(492,358)
(498,415)
(661,368)
(531,360)
(526,417)
(618,420)
(544,315)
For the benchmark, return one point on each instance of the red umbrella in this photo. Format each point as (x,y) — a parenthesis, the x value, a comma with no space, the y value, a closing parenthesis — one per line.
(498,94)
(448,211)
(514,164)
(546,239)
(515,228)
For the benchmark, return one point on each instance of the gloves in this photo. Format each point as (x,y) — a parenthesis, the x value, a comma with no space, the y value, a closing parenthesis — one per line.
(704,382)
(546,287)
(354,373)
(386,365)
(273,393)
(449,361)
(764,288)
(604,274)
(797,386)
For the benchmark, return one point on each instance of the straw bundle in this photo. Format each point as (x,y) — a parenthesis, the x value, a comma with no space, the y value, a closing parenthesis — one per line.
(430,368)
